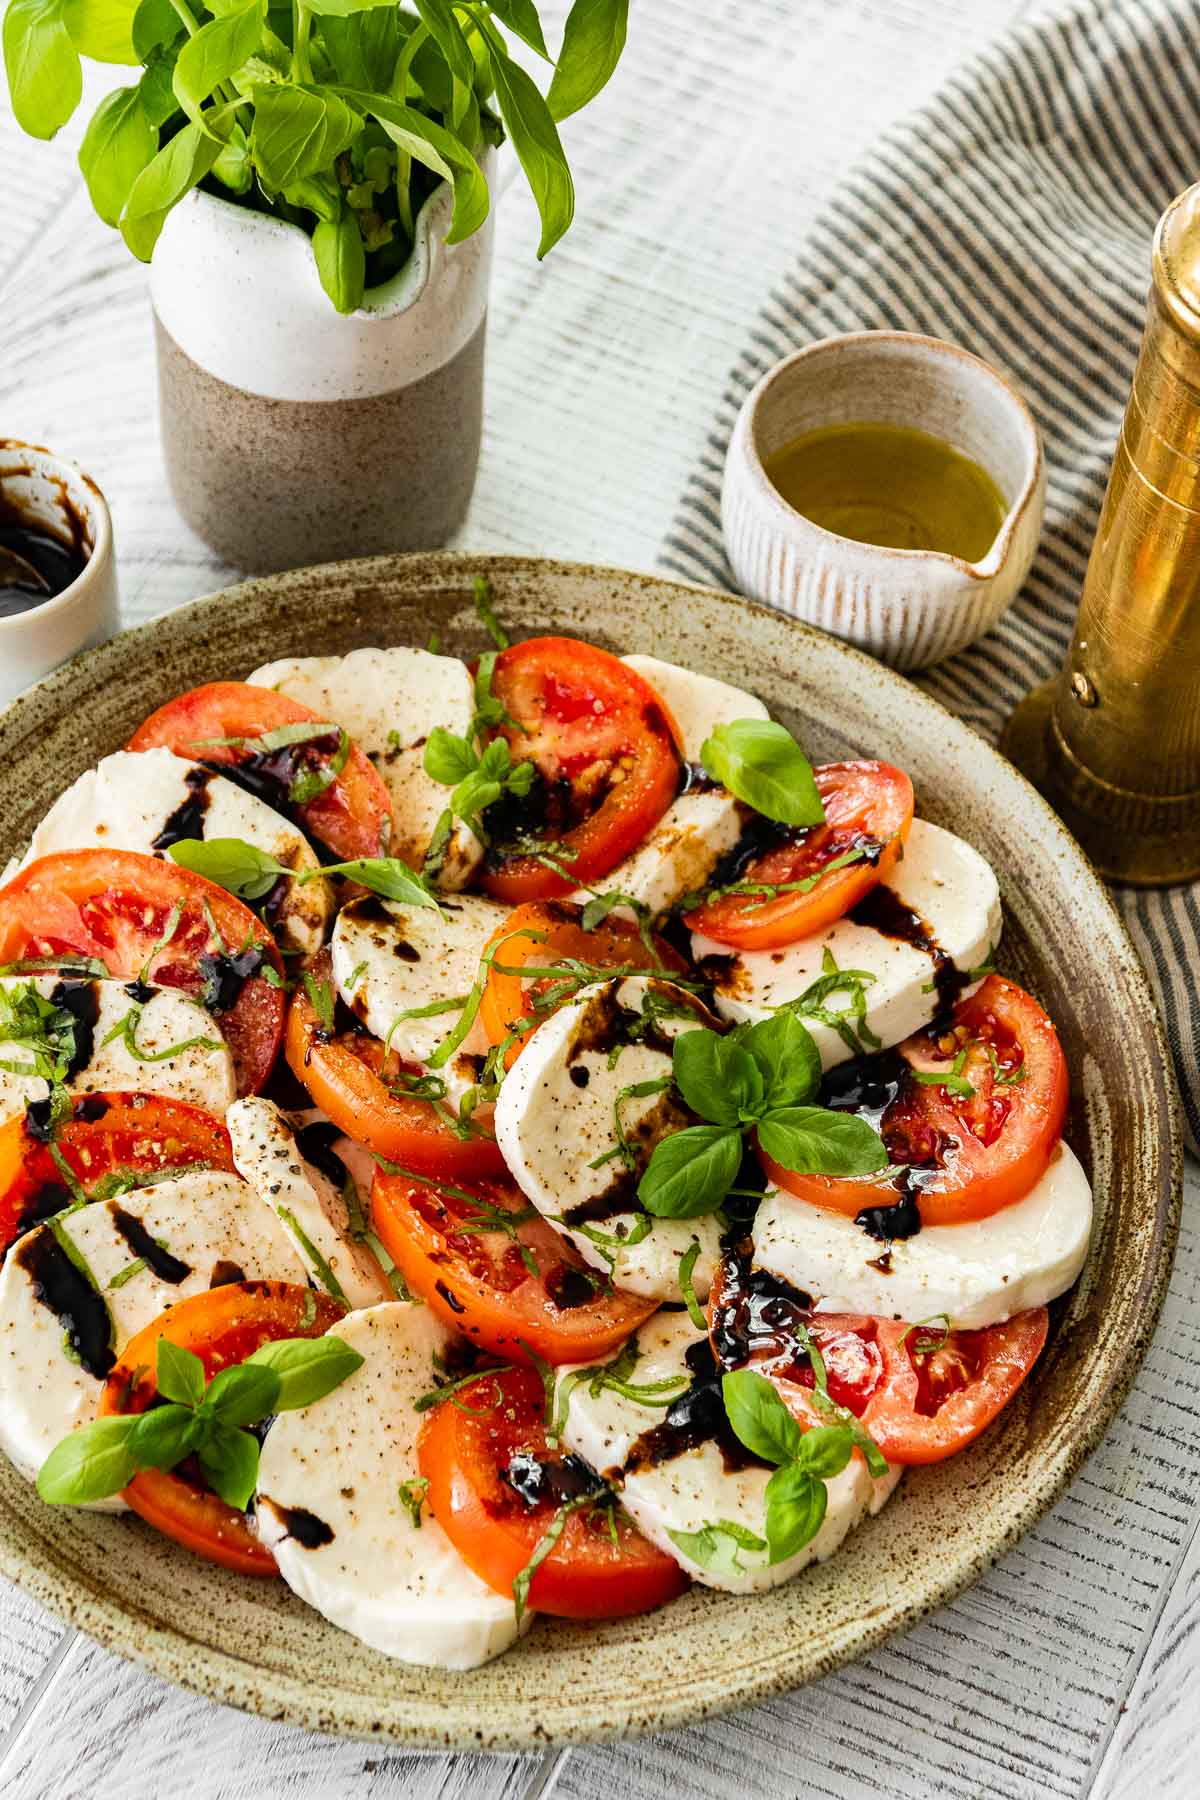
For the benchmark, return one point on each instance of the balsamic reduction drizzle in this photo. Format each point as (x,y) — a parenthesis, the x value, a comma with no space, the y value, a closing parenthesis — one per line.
(556,1480)
(68,1293)
(187,820)
(568,1287)
(161,1262)
(697,1417)
(883,910)
(302,1526)
(315,1143)
(82,1000)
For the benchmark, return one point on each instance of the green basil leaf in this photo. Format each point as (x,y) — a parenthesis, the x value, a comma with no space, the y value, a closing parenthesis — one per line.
(45,76)
(156,86)
(691,1172)
(814,1141)
(318,197)
(229,1462)
(758,1416)
(179,1374)
(307,1368)
(231,863)
(521,17)
(593,39)
(438,150)
(796,1503)
(536,141)
(448,758)
(165,1435)
(233,168)
(156,26)
(102,29)
(716,1547)
(163,183)
(216,51)
(363,47)
(788,1058)
(825,1450)
(242,1394)
(341,260)
(439,19)
(299,131)
(118,143)
(762,764)
(388,876)
(718,1079)
(90,1464)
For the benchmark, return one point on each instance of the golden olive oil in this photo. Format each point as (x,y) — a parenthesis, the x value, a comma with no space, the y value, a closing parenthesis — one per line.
(890,485)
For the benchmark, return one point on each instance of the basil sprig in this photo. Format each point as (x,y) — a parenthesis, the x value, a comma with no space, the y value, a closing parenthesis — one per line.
(250,873)
(205,1419)
(759,1078)
(761,763)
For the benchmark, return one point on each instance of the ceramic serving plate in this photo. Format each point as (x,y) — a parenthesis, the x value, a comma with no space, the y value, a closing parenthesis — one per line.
(254,1645)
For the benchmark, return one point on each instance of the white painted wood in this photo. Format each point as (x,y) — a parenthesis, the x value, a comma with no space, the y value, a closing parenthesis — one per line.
(697,174)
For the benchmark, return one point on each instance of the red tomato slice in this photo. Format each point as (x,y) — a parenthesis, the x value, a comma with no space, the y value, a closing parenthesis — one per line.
(922,1392)
(514,1288)
(119,907)
(223,1326)
(108,1143)
(495,1488)
(971,1152)
(543,933)
(347,1074)
(353,815)
(607,761)
(868,810)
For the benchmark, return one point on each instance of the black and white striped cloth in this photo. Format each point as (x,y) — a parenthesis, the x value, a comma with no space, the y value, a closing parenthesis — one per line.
(1014,216)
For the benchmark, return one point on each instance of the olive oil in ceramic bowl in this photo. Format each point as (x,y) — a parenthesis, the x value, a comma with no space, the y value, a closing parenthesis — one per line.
(891,485)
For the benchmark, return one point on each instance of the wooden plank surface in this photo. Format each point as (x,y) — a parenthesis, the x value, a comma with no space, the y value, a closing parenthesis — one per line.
(1073,1667)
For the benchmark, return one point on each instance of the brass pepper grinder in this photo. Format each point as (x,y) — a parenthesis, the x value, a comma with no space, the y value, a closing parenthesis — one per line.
(1113,741)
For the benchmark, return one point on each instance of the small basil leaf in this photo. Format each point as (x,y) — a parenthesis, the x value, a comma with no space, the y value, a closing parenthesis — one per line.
(232,864)
(796,1503)
(762,764)
(758,1416)
(789,1060)
(521,17)
(306,1368)
(179,1374)
(214,53)
(691,1172)
(719,1080)
(90,1464)
(388,876)
(156,87)
(164,1436)
(448,758)
(813,1141)
(825,1450)
(243,1394)
(156,25)
(102,29)
(716,1547)
(537,144)
(163,183)
(118,143)
(341,259)
(229,1462)
(593,39)
(298,131)
(45,76)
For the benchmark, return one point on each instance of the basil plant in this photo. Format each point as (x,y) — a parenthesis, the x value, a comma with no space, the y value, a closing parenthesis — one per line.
(341,116)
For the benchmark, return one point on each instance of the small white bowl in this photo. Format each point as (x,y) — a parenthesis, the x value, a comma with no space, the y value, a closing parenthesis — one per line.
(57,496)
(907,607)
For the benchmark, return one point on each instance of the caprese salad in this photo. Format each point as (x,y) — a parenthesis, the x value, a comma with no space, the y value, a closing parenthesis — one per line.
(510,1136)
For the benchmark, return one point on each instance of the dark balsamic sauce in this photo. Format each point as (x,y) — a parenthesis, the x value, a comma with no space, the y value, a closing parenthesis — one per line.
(303,1527)
(869,1086)
(694,778)
(55,562)
(68,1293)
(269,775)
(42,1204)
(161,1262)
(755,1314)
(883,910)
(224,1273)
(140,991)
(315,1143)
(226,975)
(39,1119)
(569,1287)
(82,1000)
(90,1108)
(553,1481)
(697,1417)
(579,1076)
(187,821)
(455,1305)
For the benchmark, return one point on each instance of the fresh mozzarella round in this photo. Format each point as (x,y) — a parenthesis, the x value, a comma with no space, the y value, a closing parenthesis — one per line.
(943,880)
(389,701)
(329,1506)
(149,799)
(673,1496)
(698,828)
(106,1271)
(978,1273)
(556,1115)
(202,1072)
(306,1202)
(390,959)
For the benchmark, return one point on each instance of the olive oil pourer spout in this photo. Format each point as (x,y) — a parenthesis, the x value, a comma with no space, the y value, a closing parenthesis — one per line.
(1113,741)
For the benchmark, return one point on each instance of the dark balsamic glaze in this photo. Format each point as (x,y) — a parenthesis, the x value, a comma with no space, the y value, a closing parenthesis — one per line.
(39,1119)
(694,778)
(82,1000)
(900,1220)
(569,1287)
(756,1314)
(697,1417)
(618,1198)
(579,1076)
(187,821)
(455,1305)
(868,1086)
(90,1108)
(141,991)
(42,1204)
(56,562)
(302,1526)
(226,975)
(160,1261)
(68,1293)
(552,1482)
(269,775)
(315,1143)
(883,910)
(224,1273)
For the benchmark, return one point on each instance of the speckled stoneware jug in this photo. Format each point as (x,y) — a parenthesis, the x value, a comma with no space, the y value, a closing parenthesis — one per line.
(293,434)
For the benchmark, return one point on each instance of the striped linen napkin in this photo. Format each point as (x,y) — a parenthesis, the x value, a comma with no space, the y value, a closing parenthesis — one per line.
(1014,216)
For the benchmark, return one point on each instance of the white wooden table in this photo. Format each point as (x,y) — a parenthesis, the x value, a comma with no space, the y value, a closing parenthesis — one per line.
(1074,1667)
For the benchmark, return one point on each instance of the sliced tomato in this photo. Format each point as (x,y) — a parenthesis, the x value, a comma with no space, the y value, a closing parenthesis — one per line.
(109,1143)
(494,1269)
(141,916)
(542,934)
(975,1142)
(607,766)
(496,1487)
(352,814)
(222,1326)
(868,812)
(347,1072)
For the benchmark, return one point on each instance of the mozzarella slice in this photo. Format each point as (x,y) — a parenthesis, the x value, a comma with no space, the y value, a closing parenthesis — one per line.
(689,1487)
(329,1506)
(146,800)
(306,1203)
(978,1273)
(142,1253)
(389,701)
(556,1115)
(202,1073)
(942,879)
(700,826)
(389,959)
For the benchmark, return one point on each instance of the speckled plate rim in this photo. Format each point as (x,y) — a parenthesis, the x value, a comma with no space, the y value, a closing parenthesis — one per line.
(37,1565)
